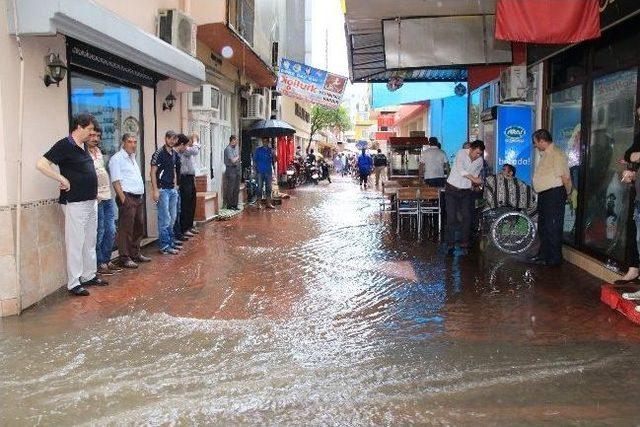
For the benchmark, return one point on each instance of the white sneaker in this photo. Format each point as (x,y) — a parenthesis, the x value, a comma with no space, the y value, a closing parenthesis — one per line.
(632,296)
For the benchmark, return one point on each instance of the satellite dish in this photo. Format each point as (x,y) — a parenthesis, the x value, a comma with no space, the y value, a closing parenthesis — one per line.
(460,90)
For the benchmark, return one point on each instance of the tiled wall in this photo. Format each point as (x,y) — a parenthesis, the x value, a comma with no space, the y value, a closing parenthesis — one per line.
(43,259)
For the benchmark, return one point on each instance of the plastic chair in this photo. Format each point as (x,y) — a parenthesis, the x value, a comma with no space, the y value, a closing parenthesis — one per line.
(408,206)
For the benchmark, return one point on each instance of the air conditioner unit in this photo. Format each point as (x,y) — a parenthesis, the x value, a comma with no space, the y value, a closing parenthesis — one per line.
(177,29)
(256,107)
(514,84)
(207,98)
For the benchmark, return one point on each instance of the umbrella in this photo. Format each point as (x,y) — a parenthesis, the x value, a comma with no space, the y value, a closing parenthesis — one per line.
(271,129)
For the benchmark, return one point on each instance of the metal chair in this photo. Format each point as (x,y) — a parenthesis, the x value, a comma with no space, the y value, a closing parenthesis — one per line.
(429,205)
(408,206)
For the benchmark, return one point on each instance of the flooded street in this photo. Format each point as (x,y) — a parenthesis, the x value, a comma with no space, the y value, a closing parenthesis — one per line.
(318,313)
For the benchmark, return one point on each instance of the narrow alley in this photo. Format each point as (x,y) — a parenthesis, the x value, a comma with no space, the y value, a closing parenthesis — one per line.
(318,313)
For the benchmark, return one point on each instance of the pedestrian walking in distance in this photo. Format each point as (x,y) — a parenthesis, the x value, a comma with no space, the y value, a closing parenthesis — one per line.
(380,166)
(78,197)
(552,182)
(365,165)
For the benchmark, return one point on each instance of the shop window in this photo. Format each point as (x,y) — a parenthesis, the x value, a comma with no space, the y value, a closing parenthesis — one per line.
(566,126)
(569,67)
(116,108)
(618,46)
(606,198)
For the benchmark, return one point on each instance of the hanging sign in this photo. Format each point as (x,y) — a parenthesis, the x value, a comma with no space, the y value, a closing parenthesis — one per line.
(306,83)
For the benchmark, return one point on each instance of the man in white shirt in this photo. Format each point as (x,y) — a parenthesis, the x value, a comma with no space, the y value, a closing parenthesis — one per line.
(458,196)
(129,187)
(433,161)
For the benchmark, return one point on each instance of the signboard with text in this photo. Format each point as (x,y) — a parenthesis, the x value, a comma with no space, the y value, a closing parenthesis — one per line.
(306,83)
(513,137)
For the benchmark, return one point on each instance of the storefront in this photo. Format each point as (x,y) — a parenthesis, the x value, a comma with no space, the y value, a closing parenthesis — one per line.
(590,99)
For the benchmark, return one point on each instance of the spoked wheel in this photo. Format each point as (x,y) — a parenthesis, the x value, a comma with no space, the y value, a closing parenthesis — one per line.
(513,232)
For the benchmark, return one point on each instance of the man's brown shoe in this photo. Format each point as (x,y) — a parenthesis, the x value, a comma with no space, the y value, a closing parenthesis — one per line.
(104,270)
(270,206)
(141,258)
(114,267)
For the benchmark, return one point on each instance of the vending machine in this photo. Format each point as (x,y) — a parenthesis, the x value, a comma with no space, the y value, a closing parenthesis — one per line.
(506,132)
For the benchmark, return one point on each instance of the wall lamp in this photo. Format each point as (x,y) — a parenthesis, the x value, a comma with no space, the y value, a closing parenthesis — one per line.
(55,70)
(168,102)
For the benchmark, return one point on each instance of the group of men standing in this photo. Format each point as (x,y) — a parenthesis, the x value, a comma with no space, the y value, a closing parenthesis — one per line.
(87,200)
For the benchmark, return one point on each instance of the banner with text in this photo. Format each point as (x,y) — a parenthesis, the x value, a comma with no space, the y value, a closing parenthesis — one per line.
(310,84)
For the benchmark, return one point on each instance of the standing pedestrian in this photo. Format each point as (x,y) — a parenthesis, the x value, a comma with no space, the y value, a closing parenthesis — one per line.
(365,165)
(163,184)
(263,159)
(106,210)
(459,195)
(552,182)
(380,166)
(433,161)
(232,173)
(337,164)
(78,191)
(127,182)
(188,168)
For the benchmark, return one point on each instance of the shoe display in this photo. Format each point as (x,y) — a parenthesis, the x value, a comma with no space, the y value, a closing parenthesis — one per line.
(79,291)
(631,296)
(96,281)
(104,270)
(129,264)
(141,258)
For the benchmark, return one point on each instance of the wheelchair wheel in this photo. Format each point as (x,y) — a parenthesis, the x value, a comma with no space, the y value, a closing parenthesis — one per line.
(513,232)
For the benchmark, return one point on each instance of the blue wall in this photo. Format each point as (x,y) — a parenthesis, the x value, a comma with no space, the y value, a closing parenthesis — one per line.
(409,93)
(449,122)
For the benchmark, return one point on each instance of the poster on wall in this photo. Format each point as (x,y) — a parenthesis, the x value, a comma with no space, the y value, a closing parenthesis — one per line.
(306,83)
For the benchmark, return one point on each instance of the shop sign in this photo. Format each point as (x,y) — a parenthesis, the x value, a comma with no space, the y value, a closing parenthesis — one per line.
(514,134)
(92,58)
(306,83)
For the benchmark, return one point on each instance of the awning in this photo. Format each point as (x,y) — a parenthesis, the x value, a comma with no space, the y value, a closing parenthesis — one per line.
(218,35)
(93,24)
(373,51)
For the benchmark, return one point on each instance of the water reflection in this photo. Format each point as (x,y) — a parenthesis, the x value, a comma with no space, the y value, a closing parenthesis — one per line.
(323,315)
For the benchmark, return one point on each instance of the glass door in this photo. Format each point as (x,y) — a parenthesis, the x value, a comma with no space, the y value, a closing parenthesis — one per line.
(566,126)
(606,201)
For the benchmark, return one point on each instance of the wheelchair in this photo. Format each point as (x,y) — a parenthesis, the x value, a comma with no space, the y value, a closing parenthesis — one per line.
(510,230)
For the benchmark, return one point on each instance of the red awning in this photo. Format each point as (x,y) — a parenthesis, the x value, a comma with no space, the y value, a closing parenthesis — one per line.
(548,21)
(218,35)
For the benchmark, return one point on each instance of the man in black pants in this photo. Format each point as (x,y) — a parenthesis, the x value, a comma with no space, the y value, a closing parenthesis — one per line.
(459,196)
(552,182)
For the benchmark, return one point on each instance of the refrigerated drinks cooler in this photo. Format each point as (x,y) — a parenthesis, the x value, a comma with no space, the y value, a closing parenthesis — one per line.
(506,132)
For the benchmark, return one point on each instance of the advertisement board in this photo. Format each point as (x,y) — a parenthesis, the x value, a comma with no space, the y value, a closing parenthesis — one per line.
(514,144)
(306,83)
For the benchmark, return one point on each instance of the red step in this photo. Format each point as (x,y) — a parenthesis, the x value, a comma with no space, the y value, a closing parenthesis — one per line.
(611,295)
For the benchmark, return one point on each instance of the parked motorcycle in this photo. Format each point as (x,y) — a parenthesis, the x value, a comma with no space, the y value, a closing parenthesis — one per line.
(292,176)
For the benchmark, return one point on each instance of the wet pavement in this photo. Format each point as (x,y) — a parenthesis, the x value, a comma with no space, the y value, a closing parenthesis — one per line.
(318,313)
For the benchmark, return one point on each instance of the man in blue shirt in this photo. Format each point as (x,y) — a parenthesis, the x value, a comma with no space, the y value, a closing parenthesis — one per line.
(263,159)
(365,165)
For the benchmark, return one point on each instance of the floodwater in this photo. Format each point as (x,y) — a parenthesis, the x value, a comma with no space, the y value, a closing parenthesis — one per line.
(320,314)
